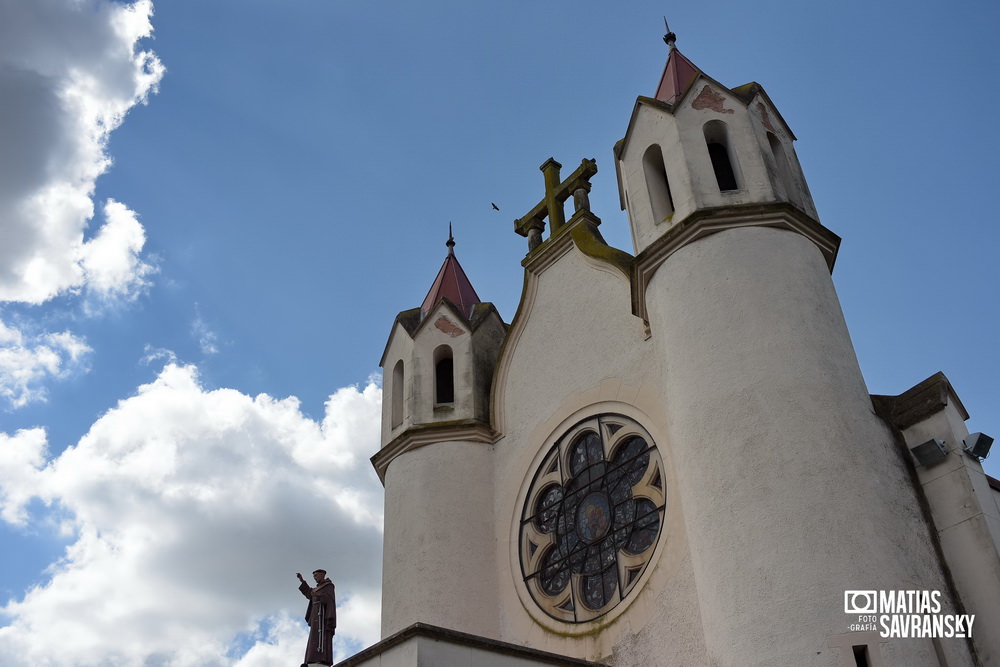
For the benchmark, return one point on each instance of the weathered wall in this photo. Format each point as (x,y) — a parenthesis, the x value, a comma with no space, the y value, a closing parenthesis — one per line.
(439,547)
(792,489)
(576,350)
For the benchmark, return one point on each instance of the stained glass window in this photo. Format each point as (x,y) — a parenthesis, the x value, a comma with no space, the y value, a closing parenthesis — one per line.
(592,518)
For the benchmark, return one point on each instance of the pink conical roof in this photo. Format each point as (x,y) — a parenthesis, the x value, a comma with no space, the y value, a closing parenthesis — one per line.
(451,283)
(678,74)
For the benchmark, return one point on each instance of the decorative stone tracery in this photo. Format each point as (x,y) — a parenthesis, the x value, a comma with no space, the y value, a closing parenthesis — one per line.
(591,518)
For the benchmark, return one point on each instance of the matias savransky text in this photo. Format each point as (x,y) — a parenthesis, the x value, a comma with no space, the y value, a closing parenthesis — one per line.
(905,614)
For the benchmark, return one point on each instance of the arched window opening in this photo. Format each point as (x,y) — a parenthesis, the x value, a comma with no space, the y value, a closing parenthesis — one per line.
(444,375)
(657,184)
(781,160)
(397,394)
(717,138)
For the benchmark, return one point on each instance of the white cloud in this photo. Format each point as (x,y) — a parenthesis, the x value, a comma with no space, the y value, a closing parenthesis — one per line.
(28,361)
(191,511)
(208,340)
(110,260)
(152,355)
(22,456)
(69,73)
(281,644)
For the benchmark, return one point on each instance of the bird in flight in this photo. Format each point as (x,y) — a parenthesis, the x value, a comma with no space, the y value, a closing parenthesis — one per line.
(495,207)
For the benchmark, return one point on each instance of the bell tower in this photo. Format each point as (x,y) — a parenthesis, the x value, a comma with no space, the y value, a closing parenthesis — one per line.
(698,145)
(774,441)
(436,446)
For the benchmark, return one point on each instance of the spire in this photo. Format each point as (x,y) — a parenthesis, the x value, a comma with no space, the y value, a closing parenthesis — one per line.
(451,283)
(678,74)
(669,38)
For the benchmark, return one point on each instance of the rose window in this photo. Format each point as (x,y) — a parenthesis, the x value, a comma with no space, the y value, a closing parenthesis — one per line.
(592,517)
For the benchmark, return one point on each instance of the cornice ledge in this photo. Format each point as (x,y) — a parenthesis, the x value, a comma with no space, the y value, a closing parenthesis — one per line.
(525,654)
(919,402)
(467,430)
(710,221)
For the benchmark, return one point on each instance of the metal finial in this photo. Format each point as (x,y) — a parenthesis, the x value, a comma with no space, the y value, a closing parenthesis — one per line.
(670,37)
(451,241)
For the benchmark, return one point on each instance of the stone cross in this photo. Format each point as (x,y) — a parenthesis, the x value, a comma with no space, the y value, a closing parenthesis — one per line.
(556,193)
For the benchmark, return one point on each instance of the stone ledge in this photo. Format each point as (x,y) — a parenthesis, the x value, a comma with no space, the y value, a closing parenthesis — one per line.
(705,222)
(471,430)
(493,646)
(918,403)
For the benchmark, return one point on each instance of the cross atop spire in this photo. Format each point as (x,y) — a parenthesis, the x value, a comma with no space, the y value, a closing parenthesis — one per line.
(451,241)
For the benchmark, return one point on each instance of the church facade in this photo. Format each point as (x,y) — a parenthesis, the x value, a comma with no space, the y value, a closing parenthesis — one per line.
(670,457)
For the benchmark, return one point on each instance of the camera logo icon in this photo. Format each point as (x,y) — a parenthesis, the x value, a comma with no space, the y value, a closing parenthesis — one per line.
(860,602)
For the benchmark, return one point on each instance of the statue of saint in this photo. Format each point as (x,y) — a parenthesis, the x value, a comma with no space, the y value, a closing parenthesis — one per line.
(321,615)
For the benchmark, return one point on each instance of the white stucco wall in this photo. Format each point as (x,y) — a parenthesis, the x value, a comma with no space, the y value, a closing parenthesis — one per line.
(654,126)
(764,118)
(578,351)
(439,546)
(792,489)
(967,522)
(399,347)
(754,184)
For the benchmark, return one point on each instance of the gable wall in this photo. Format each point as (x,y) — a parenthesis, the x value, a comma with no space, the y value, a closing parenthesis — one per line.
(578,351)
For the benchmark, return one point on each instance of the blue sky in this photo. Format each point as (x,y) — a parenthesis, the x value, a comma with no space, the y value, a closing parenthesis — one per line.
(212,210)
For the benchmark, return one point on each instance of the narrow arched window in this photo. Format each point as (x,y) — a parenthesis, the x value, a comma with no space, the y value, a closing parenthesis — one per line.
(781,160)
(657,184)
(444,375)
(717,139)
(397,394)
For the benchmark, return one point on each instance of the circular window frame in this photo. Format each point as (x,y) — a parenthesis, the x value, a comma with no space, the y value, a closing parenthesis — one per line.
(567,610)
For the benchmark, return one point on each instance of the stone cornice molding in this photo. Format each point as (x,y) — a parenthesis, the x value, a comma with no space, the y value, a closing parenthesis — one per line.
(465,430)
(523,654)
(918,403)
(706,222)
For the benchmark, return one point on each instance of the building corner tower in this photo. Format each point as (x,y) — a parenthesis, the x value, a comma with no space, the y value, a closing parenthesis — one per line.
(780,458)
(436,445)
